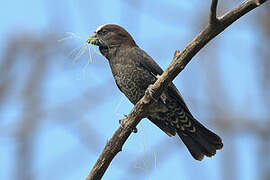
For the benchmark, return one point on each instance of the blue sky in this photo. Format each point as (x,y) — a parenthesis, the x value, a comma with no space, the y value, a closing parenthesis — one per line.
(58,152)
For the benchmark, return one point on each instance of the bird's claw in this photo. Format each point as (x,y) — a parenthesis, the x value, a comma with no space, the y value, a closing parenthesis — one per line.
(150,90)
(121,123)
(134,130)
(121,120)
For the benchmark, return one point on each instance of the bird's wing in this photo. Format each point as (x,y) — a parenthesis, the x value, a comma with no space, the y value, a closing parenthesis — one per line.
(147,62)
(150,65)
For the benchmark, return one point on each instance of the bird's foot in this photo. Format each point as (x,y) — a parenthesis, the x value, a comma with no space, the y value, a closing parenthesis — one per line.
(151,92)
(121,122)
(134,130)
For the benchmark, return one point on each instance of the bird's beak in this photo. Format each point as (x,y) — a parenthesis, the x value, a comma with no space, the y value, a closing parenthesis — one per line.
(93,39)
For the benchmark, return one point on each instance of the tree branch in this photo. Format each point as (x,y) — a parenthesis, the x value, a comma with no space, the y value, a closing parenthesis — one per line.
(180,60)
(213,13)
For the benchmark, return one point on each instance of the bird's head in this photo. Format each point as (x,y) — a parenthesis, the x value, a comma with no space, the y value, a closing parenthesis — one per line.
(109,36)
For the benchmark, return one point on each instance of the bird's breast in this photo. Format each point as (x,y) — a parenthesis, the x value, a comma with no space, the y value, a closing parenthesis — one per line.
(132,80)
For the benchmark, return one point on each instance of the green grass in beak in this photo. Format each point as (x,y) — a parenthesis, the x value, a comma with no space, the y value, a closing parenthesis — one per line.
(90,40)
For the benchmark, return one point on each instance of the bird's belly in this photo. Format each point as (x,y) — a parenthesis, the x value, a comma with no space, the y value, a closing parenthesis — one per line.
(133,93)
(134,83)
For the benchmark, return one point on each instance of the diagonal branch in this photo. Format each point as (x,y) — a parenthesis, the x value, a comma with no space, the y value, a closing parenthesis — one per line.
(180,60)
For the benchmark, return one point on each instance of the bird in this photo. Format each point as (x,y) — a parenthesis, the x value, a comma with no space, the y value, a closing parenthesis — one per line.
(133,71)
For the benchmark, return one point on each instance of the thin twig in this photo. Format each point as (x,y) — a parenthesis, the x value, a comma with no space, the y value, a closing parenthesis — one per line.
(180,60)
(213,13)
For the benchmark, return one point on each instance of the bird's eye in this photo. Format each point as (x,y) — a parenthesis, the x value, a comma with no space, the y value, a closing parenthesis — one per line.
(103,32)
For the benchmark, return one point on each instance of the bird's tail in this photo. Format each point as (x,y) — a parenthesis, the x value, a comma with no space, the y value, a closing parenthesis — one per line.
(199,140)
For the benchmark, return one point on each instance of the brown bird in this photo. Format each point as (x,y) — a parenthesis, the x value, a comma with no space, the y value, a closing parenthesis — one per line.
(134,70)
